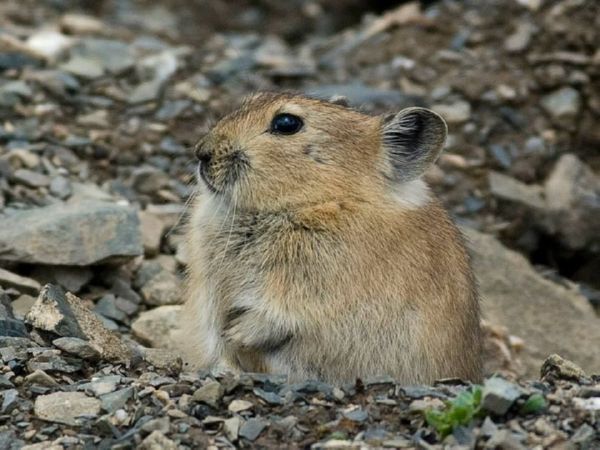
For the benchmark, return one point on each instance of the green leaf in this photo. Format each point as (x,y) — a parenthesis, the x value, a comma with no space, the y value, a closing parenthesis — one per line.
(534,404)
(458,412)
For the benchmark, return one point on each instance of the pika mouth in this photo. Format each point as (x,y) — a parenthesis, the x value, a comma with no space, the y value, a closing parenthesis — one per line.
(202,173)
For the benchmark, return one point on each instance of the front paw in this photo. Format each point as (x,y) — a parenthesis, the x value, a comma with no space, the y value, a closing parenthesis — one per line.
(248,329)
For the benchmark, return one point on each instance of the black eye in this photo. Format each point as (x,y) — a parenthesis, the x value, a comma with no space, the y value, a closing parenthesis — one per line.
(286,124)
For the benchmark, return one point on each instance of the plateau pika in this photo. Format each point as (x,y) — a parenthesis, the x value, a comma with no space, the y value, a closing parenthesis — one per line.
(316,250)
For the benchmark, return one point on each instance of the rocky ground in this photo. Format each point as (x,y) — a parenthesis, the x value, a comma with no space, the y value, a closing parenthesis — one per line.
(100,103)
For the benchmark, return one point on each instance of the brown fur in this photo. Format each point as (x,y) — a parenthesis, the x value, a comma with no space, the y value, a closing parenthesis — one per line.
(307,260)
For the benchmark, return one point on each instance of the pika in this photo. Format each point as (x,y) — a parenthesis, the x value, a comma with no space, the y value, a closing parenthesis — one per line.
(317,251)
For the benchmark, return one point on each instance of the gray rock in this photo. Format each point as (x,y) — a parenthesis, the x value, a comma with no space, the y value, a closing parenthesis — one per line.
(158,327)
(102,385)
(162,289)
(149,180)
(555,367)
(583,435)
(563,103)
(152,231)
(499,395)
(252,428)
(73,278)
(454,113)
(41,378)
(515,296)
(78,347)
(109,55)
(83,67)
(270,397)
(146,91)
(31,178)
(211,393)
(161,424)
(10,399)
(22,284)
(5,383)
(356,415)
(66,407)
(508,188)
(231,428)
(505,439)
(61,187)
(107,306)
(116,400)
(360,94)
(50,361)
(76,234)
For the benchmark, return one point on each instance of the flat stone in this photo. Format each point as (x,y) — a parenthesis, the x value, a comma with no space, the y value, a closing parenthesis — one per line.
(107,306)
(22,284)
(508,188)
(499,395)
(73,278)
(238,405)
(563,103)
(163,359)
(270,397)
(116,400)
(149,180)
(10,400)
(158,327)
(61,187)
(231,428)
(211,393)
(555,367)
(102,385)
(252,428)
(78,347)
(66,407)
(31,178)
(77,234)
(356,415)
(41,378)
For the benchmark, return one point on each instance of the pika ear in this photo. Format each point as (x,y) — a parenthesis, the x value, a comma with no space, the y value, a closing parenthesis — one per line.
(339,100)
(412,140)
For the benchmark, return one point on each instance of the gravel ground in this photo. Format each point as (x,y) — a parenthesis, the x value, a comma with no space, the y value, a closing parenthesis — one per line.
(100,103)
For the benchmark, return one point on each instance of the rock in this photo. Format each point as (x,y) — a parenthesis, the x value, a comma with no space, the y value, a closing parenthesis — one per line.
(116,400)
(161,424)
(505,439)
(555,367)
(66,407)
(211,393)
(152,231)
(149,180)
(77,347)
(157,441)
(252,428)
(30,178)
(508,188)
(76,234)
(231,427)
(360,94)
(163,359)
(520,39)
(563,103)
(73,279)
(356,415)
(146,91)
(48,44)
(51,361)
(5,383)
(515,296)
(454,113)
(22,284)
(66,316)
(499,395)
(162,289)
(41,378)
(61,187)
(270,397)
(108,55)
(10,399)
(158,327)
(81,24)
(107,306)
(102,385)
(572,193)
(83,68)
(238,405)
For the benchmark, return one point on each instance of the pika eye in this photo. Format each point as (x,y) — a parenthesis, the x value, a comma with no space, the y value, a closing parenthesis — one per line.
(286,124)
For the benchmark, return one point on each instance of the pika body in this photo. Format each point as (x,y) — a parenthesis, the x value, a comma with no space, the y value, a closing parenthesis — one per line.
(317,251)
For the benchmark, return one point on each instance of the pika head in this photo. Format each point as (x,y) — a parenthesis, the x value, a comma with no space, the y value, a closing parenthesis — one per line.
(282,151)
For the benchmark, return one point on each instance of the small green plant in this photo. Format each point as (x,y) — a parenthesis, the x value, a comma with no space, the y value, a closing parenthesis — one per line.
(534,404)
(459,411)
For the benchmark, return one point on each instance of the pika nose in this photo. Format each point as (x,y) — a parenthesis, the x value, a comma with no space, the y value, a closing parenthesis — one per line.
(202,154)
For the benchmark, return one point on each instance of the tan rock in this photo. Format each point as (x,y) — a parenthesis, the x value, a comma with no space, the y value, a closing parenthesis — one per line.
(549,317)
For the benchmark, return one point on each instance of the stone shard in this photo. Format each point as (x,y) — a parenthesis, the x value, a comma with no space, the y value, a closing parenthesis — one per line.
(66,316)
(66,407)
